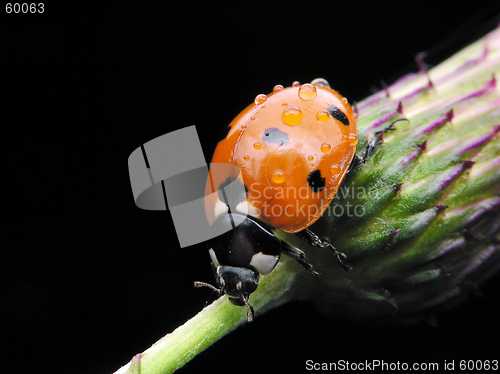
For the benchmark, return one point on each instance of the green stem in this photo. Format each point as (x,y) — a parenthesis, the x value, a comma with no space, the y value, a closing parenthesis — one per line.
(215,321)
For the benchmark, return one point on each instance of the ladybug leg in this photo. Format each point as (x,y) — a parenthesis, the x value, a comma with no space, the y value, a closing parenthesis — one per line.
(372,139)
(309,237)
(371,143)
(250,312)
(298,255)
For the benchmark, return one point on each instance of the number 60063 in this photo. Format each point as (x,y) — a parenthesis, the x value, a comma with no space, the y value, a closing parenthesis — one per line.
(24,8)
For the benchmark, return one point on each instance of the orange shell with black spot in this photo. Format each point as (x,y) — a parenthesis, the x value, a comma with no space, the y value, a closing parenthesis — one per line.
(280,142)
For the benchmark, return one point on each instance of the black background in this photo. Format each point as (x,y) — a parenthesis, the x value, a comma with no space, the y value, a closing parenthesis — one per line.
(89,279)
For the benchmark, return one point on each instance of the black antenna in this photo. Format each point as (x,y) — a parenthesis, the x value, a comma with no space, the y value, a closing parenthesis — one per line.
(203,284)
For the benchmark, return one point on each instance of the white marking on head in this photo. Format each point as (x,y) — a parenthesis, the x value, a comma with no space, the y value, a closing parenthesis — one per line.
(264,263)
(220,208)
(214,258)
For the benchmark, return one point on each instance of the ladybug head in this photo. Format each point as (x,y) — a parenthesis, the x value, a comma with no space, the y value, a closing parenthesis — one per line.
(241,249)
(238,283)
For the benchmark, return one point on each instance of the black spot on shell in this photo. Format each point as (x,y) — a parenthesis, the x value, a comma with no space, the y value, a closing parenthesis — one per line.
(316,181)
(338,115)
(274,135)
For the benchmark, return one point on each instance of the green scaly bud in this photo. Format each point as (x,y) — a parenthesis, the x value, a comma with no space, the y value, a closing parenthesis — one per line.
(420,221)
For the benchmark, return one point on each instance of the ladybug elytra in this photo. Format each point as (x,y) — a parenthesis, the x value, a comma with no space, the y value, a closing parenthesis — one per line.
(292,147)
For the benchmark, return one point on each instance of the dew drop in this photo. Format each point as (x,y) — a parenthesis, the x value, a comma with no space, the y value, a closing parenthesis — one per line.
(344,139)
(335,168)
(323,116)
(345,101)
(292,116)
(320,82)
(246,157)
(325,147)
(260,99)
(353,139)
(296,83)
(307,91)
(278,176)
(310,158)
(284,103)
(278,88)
(355,115)
(257,146)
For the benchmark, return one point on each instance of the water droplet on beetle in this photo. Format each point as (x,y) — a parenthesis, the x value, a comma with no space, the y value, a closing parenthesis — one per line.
(323,116)
(345,101)
(246,157)
(292,116)
(295,84)
(320,82)
(278,88)
(260,99)
(310,158)
(335,168)
(325,147)
(307,91)
(278,176)
(353,139)
(257,146)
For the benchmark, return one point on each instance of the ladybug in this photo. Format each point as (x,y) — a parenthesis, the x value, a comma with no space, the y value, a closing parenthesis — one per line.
(291,150)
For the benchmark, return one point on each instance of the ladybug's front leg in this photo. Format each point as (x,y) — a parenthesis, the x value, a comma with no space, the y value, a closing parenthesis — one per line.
(311,238)
(298,255)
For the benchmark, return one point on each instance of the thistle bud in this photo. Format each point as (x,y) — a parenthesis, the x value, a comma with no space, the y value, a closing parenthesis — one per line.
(419,222)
